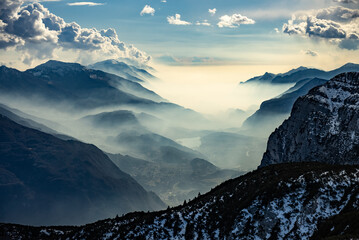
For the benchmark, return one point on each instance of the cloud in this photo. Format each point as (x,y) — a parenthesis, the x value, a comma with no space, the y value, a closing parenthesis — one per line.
(148,10)
(91,4)
(234,21)
(346,1)
(276,30)
(212,11)
(164,1)
(310,53)
(37,33)
(337,25)
(176,20)
(204,23)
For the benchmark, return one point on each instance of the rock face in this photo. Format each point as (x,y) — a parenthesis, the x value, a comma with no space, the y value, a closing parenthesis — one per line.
(323,126)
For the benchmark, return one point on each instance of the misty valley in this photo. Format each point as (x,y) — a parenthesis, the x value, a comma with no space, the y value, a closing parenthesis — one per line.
(89,144)
(180,120)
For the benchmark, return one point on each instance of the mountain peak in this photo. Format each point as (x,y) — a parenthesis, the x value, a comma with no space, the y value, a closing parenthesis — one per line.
(54,64)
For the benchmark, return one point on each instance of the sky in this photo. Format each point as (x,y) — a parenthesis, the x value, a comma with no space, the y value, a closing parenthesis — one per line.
(230,40)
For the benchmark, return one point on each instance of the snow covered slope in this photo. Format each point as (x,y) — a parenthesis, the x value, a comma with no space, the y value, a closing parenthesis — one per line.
(287,201)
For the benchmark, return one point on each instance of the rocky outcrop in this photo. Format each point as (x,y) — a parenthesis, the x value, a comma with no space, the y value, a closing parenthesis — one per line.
(323,126)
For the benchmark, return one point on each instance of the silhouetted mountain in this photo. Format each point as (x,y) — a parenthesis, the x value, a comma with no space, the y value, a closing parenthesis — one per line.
(323,126)
(123,70)
(301,73)
(46,180)
(286,201)
(273,112)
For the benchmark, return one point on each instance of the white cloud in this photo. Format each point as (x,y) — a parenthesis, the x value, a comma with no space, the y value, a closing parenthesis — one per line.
(164,1)
(234,21)
(36,32)
(148,10)
(176,20)
(85,4)
(204,23)
(276,30)
(336,25)
(212,11)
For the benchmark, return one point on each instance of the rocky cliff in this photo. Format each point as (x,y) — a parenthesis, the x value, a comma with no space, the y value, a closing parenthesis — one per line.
(323,126)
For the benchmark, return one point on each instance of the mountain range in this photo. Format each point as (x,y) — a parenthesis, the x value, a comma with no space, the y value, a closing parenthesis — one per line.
(273,112)
(288,197)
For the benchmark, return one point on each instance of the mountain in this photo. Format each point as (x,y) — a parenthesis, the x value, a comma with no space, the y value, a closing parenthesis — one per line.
(123,70)
(174,181)
(301,73)
(45,180)
(322,127)
(285,201)
(273,112)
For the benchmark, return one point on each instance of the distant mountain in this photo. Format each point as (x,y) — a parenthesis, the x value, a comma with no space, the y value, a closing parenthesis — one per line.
(273,112)
(123,70)
(174,181)
(301,73)
(45,180)
(323,126)
(286,201)
(71,86)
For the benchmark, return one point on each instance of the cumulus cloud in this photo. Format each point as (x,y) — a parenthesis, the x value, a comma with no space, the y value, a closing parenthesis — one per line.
(148,10)
(212,11)
(37,32)
(204,23)
(337,25)
(234,21)
(310,53)
(176,20)
(91,4)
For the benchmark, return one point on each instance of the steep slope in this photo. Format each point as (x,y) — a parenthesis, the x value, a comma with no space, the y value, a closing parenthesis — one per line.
(323,126)
(123,70)
(286,201)
(45,180)
(273,112)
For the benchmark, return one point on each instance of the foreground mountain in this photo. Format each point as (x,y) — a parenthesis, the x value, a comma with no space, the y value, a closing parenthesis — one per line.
(123,70)
(289,201)
(46,180)
(323,126)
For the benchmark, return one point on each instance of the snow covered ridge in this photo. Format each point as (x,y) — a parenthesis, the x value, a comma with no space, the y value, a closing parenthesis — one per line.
(323,126)
(286,201)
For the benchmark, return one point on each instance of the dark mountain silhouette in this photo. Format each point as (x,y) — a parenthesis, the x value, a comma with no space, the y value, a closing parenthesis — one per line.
(46,180)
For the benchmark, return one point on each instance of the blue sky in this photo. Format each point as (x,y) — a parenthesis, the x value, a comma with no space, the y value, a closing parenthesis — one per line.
(198,64)
(259,42)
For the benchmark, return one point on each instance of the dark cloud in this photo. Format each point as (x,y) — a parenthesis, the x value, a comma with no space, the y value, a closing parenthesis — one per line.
(37,32)
(335,24)
(346,1)
(310,53)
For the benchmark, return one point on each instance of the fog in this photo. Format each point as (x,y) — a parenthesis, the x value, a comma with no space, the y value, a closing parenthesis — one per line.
(154,141)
